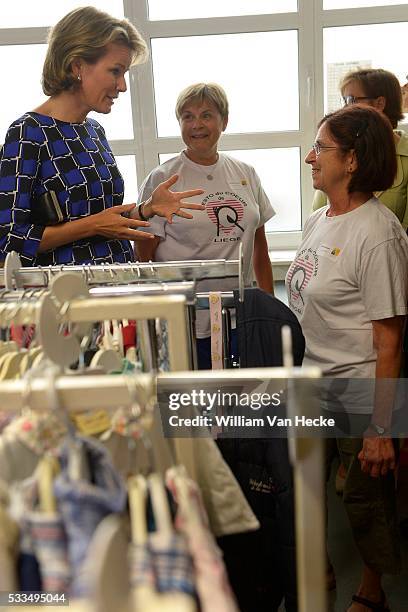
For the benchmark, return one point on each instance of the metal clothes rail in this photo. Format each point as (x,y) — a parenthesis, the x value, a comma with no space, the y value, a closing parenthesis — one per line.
(14,275)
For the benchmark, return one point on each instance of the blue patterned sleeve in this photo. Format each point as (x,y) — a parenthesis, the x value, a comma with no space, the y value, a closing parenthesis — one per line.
(19,167)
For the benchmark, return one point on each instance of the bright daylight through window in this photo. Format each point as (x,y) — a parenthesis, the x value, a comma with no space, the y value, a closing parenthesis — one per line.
(280,71)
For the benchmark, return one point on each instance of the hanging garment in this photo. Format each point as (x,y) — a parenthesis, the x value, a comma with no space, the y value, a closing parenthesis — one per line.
(50,547)
(172,563)
(215,304)
(163,356)
(38,432)
(164,562)
(263,470)
(25,440)
(227,508)
(84,503)
(9,540)
(260,318)
(17,461)
(210,576)
(44,547)
(28,567)
(5,419)
(161,574)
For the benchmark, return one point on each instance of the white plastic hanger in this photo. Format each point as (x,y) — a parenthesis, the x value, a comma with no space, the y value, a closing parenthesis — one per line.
(188,506)
(47,469)
(137,492)
(108,359)
(106,567)
(117,337)
(160,504)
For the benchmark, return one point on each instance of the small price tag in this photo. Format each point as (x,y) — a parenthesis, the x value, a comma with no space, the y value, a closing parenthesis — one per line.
(92,423)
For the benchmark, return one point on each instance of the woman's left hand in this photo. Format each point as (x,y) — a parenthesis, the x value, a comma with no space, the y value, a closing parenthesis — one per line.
(377,456)
(166,203)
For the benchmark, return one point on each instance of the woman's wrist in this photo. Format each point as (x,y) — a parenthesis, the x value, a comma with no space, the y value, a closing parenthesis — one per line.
(146,210)
(55,236)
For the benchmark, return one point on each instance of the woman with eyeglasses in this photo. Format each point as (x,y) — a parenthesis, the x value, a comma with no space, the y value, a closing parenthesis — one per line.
(380,89)
(351,298)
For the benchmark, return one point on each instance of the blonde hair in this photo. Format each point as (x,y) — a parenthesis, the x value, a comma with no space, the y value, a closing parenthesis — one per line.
(199,92)
(84,34)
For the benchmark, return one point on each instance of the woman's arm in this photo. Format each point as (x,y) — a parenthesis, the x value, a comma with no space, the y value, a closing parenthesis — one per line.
(377,455)
(109,223)
(262,263)
(19,164)
(145,251)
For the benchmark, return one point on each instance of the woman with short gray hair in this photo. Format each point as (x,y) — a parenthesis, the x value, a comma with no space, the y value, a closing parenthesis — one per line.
(236,206)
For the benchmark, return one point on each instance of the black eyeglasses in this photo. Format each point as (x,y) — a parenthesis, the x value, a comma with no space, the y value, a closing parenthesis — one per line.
(318,148)
(347,100)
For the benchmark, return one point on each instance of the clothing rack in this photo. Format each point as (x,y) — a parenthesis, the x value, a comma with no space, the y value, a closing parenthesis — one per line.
(110,392)
(14,275)
(140,278)
(68,301)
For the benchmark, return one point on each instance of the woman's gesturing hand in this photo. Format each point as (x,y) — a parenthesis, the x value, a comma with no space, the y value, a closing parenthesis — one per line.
(166,203)
(112,224)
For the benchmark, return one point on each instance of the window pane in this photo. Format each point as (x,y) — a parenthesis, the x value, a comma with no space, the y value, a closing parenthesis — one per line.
(343,4)
(27,93)
(258,102)
(279,171)
(185,9)
(127,167)
(24,67)
(366,46)
(26,13)
(282,186)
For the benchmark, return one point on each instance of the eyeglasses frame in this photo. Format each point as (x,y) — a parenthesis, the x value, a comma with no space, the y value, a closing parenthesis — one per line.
(318,148)
(355,99)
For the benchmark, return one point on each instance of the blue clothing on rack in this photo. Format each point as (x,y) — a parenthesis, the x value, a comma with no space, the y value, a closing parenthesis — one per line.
(74,160)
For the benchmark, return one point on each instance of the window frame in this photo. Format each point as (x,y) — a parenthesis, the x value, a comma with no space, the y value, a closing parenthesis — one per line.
(310,21)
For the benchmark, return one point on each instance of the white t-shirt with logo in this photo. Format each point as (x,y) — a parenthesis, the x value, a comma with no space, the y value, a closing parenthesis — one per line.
(350,270)
(235,206)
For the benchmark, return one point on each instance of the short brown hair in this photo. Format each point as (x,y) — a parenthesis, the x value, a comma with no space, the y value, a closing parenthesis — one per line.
(85,33)
(369,133)
(200,92)
(377,82)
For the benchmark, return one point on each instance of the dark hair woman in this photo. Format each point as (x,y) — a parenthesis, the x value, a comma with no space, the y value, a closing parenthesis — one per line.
(352,304)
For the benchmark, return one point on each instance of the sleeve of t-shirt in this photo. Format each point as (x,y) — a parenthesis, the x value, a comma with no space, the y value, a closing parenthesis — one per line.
(383,279)
(157,224)
(19,164)
(266,210)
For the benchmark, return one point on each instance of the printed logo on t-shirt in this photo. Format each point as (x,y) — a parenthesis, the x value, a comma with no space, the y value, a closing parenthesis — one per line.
(226,210)
(300,272)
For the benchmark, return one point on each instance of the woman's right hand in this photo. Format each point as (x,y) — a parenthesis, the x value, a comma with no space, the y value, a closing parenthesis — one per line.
(112,224)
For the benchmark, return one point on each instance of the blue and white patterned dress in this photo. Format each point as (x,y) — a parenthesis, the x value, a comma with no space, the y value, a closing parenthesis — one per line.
(75,161)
